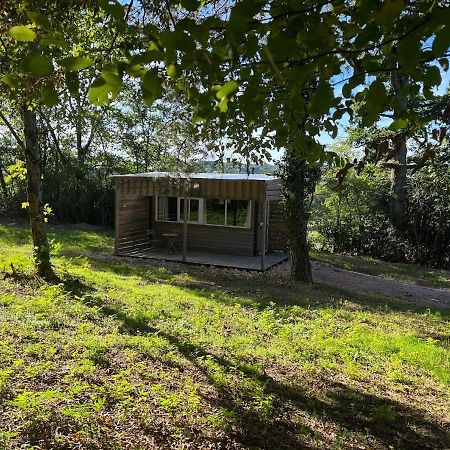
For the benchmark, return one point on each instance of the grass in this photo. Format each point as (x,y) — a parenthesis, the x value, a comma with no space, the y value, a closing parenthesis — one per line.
(410,273)
(123,355)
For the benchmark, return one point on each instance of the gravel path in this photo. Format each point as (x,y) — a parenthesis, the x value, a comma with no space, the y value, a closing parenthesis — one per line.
(360,282)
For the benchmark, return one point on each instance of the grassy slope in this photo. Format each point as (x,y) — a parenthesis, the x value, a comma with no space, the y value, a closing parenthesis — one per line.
(410,273)
(127,356)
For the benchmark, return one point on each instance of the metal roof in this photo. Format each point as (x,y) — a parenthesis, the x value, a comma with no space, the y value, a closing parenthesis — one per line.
(204,176)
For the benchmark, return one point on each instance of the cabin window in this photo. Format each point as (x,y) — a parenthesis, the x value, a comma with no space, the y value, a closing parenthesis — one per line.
(215,211)
(218,212)
(166,209)
(238,213)
(229,213)
(195,206)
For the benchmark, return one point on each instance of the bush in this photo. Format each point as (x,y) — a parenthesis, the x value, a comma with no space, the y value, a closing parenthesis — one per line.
(354,217)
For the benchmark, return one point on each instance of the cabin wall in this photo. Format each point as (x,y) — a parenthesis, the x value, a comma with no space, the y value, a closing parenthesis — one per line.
(228,240)
(278,233)
(135,216)
(198,188)
(235,241)
(132,224)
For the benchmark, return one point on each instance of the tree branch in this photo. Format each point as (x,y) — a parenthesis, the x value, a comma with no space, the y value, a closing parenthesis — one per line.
(13,131)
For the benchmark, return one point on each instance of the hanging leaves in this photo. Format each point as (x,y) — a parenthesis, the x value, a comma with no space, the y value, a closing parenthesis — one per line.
(152,88)
(106,87)
(37,65)
(22,33)
(76,63)
(49,95)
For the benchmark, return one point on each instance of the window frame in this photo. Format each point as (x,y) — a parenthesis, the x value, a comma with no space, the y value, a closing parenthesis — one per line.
(249,209)
(157,197)
(201,210)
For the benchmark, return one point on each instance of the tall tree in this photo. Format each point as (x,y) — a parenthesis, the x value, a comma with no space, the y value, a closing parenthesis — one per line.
(31,40)
(267,60)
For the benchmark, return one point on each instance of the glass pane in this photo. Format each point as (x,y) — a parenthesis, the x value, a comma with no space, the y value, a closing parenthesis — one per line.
(172,209)
(181,209)
(238,213)
(162,208)
(194,206)
(214,212)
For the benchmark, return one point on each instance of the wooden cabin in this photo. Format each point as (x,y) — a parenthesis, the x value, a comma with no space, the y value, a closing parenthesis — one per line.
(232,220)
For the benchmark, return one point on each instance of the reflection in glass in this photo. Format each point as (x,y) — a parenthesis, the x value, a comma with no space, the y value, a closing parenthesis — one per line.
(238,213)
(214,211)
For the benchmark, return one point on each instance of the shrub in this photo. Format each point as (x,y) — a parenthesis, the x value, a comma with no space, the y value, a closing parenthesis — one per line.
(354,217)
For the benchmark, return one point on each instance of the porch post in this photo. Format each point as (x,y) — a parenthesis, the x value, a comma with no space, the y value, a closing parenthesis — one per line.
(185,213)
(117,194)
(264,234)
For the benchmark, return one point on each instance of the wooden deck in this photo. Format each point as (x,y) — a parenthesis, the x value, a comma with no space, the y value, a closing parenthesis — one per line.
(214,259)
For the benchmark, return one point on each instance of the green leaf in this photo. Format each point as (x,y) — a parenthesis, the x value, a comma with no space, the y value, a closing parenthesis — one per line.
(53,39)
(390,10)
(190,5)
(151,86)
(76,63)
(223,105)
(37,65)
(432,76)
(322,100)
(22,33)
(398,124)
(105,88)
(409,53)
(444,63)
(172,71)
(240,16)
(115,9)
(347,90)
(39,19)
(376,95)
(441,42)
(314,153)
(10,80)
(227,89)
(72,82)
(49,95)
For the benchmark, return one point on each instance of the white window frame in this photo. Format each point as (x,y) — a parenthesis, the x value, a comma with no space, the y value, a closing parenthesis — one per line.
(157,197)
(201,216)
(200,210)
(249,215)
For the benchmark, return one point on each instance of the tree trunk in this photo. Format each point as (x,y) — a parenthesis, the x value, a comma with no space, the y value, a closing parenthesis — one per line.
(34,188)
(295,193)
(397,207)
(3,183)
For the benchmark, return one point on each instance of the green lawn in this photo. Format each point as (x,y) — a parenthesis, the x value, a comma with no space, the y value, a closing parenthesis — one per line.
(410,273)
(125,356)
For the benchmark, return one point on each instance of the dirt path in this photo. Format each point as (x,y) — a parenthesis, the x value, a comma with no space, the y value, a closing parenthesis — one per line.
(360,282)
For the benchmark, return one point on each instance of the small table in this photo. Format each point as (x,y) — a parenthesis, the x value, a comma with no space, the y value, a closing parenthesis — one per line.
(171,239)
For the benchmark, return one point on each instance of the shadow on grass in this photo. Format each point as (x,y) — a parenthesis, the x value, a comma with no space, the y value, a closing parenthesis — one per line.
(301,413)
(259,291)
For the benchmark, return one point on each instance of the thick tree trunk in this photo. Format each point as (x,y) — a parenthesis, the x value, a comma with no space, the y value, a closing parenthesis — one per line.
(295,193)
(34,189)
(3,183)
(397,207)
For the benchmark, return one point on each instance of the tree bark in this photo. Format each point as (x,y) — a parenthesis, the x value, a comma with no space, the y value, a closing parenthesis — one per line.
(41,250)
(397,207)
(3,183)
(295,194)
